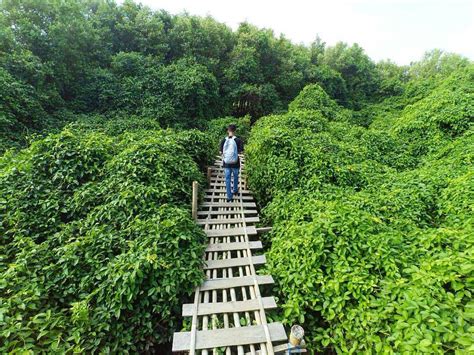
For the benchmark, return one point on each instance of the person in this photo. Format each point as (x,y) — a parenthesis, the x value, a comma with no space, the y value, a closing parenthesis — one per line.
(230,148)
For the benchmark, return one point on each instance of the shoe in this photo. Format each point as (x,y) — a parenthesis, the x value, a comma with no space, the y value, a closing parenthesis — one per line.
(231,200)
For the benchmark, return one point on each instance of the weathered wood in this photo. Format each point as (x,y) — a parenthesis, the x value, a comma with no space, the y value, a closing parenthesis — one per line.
(233,246)
(194,321)
(211,221)
(228,307)
(213,190)
(216,181)
(222,184)
(209,175)
(224,263)
(235,211)
(262,230)
(223,196)
(228,232)
(218,284)
(206,339)
(194,206)
(232,286)
(228,204)
(219,182)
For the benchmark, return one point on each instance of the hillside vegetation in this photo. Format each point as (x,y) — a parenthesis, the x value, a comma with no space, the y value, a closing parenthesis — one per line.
(97,241)
(60,60)
(373,237)
(109,111)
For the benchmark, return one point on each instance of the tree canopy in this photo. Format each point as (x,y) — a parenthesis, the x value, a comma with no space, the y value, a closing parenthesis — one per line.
(64,58)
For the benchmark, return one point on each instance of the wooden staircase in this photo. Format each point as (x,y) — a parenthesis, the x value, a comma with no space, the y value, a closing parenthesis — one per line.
(228,313)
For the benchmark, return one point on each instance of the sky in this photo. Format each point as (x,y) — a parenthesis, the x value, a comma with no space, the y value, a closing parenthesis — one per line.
(400,30)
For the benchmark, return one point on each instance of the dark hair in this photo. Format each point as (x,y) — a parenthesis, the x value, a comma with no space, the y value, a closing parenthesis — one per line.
(232,127)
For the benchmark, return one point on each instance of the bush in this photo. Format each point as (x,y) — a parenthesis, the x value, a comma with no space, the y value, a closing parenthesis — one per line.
(372,236)
(445,113)
(313,97)
(98,248)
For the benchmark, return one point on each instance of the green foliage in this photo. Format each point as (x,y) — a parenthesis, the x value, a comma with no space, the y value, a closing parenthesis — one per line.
(97,240)
(357,71)
(313,97)
(391,77)
(372,242)
(368,179)
(19,110)
(445,112)
(125,59)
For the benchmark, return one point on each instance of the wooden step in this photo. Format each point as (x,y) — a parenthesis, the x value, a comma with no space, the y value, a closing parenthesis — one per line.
(228,204)
(220,284)
(224,196)
(225,263)
(234,221)
(207,339)
(234,246)
(227,220)
(227,232)
(204,309)
(221,178)
(263,230)
(210,191)
(235,212)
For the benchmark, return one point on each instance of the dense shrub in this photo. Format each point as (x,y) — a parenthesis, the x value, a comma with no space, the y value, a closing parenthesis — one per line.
(444,113)
(313,97)
(197,143)
(373,235)
(98,248)
(20,110)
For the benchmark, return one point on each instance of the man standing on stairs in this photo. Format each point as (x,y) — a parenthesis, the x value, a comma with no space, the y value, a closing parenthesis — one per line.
(230,147)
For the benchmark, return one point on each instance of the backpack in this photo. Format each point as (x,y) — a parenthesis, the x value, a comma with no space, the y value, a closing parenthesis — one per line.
(230,151)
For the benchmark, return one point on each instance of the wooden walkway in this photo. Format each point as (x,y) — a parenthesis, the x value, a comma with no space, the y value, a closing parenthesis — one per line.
(228,313)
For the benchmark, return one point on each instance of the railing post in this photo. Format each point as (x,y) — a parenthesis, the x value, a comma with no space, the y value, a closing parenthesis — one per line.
(194,206)
(209,175)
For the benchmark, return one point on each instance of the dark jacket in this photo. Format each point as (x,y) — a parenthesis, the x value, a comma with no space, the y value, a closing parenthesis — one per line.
(240,149)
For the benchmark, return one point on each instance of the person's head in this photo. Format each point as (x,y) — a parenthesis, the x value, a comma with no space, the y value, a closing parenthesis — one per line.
(231,129)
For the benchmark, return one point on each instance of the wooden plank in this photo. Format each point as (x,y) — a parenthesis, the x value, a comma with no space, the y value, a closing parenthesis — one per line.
(195,200)
(228,307)
(223,196)
(227,232)
(219,284)
(242,211)
(219,184)
(234,246)
(228,204)
(227,220)
(224,263)
(236,211)
(207,339)
(210,191)
(262,230)
(221,180)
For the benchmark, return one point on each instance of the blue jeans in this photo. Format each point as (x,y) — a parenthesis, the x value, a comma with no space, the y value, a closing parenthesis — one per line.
(228,179)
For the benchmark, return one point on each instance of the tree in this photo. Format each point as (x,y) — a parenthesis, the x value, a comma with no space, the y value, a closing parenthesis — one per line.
(357,70)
